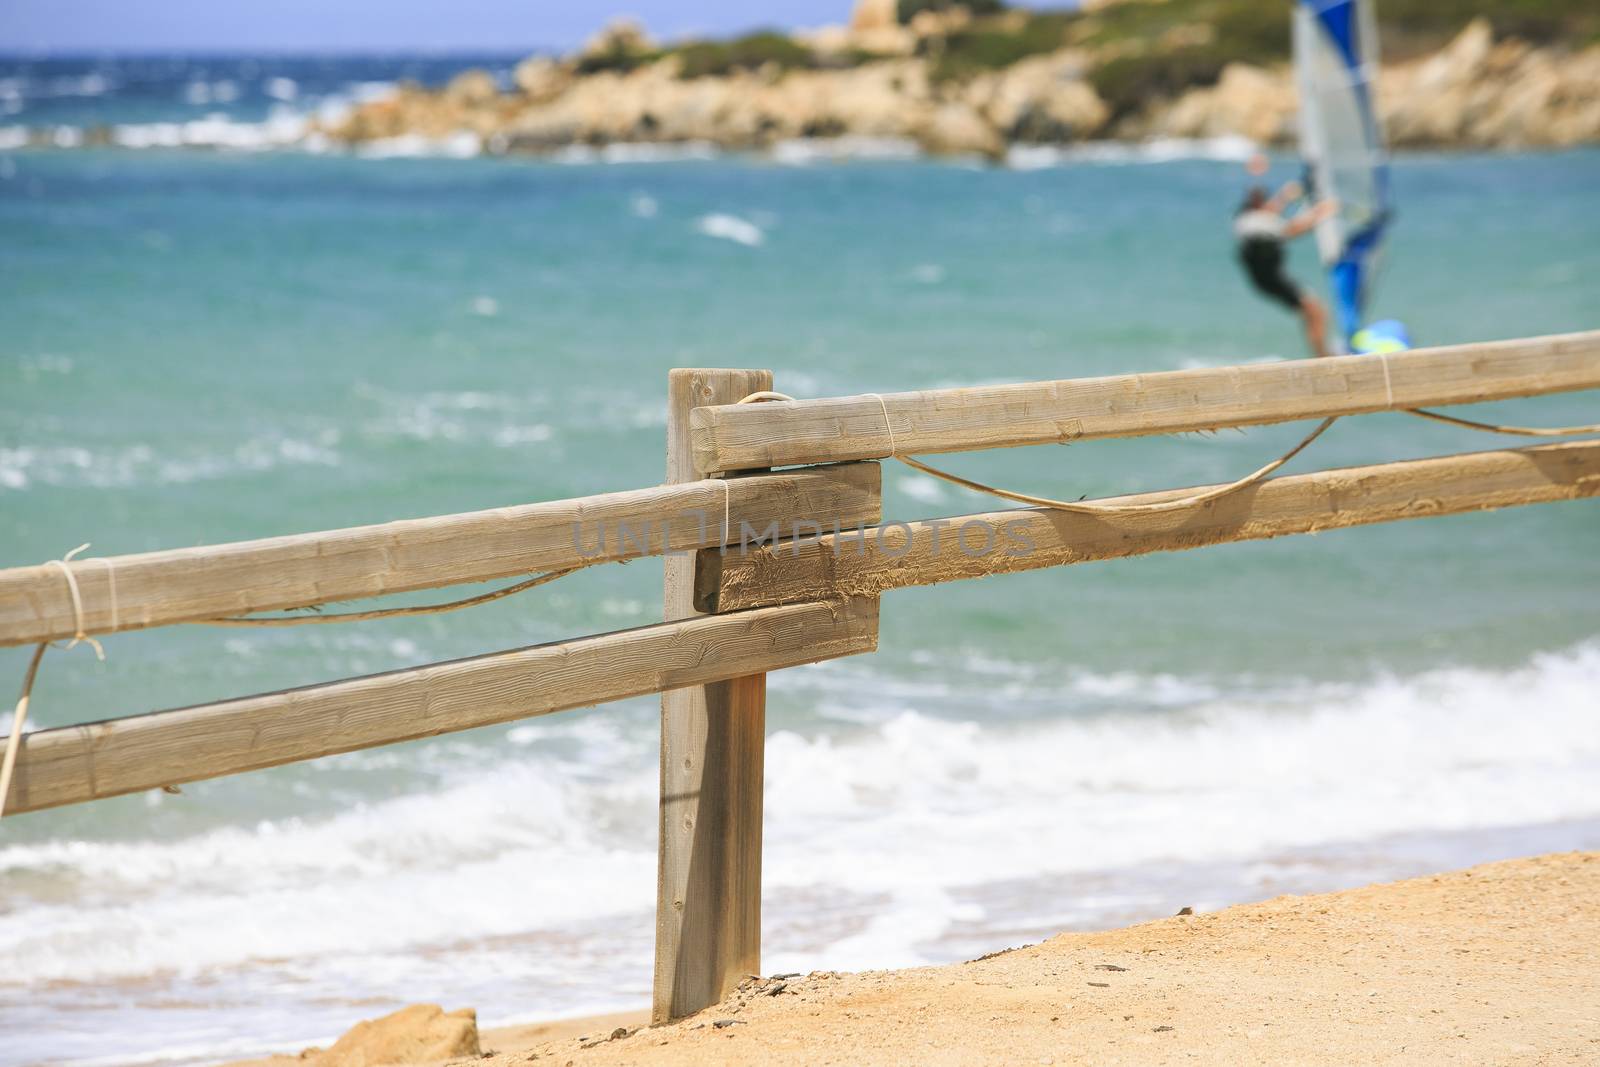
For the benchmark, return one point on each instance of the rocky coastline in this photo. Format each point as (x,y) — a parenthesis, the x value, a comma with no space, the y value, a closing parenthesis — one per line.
(949,78)
(1477,91)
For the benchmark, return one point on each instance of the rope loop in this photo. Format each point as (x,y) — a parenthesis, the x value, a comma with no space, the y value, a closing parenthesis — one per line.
(64,565)
(1193,500)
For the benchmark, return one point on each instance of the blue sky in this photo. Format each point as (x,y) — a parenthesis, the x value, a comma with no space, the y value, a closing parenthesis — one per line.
(370,25)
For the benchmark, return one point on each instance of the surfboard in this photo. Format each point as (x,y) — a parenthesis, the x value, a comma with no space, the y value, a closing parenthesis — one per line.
(1341,142)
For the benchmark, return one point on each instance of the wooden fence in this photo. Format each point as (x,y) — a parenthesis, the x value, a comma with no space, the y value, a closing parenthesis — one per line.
(733,613)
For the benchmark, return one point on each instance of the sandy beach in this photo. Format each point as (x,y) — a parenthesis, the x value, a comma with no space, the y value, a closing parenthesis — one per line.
(1494,964)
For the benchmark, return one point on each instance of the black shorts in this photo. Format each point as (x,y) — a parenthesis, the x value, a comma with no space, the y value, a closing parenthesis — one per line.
(1263,261)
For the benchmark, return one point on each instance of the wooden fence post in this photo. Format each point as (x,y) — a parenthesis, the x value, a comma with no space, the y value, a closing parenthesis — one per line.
(708,877)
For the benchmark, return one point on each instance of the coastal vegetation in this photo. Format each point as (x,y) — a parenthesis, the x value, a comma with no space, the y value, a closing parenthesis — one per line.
(1147,49)
(1144,47)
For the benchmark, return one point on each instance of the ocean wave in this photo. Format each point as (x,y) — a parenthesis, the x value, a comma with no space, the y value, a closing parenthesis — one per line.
(1229,149)
(201,93)
(911,811)
(280,88)
(463,144)
(141,464)
(805,151)
(468,416)
(638,152)
(1217,776)
(282,129)
(731,228)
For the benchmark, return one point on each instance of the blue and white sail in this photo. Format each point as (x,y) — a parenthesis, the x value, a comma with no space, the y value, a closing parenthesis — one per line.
(1341,141)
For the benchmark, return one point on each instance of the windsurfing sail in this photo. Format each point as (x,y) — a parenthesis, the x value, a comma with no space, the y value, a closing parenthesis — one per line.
(1341,141)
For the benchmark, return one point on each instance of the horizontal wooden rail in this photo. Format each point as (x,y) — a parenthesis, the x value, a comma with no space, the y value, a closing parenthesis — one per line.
(973,546)
(206,582)
(740,437)
(71,764)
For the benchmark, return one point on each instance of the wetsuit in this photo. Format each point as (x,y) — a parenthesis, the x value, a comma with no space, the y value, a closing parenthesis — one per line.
(1260,236)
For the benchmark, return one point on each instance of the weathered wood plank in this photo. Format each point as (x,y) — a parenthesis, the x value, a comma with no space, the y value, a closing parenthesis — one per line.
(974,546)
(71,764)
(713,745)
(728,438)
(157,588)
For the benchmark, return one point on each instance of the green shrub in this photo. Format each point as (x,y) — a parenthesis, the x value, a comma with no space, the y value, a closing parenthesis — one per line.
(983,46)
(1431,22)
(615,59)
(1127,83)
(703,59)
(1241,31)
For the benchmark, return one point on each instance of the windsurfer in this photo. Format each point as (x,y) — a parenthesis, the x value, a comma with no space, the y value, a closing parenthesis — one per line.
(1262,229)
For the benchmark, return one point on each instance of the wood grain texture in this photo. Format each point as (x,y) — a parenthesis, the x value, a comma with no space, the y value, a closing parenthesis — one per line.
(78,763)
(1130,405)
(925,553)
(157,588)
(713,746)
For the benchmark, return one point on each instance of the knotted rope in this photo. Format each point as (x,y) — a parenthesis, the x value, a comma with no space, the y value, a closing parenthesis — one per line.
(19,715)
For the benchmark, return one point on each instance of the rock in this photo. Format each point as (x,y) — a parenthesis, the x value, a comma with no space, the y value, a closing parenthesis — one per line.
(622,36)
(933,23)
(1478,93)
(541,78)
(957,129)
(1247,101)
(471,88)
(1042,98)
(1431,102)
(875,27)
(421,1033)
(875,15)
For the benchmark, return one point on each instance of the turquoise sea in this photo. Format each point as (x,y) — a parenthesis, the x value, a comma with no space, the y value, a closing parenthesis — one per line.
(203,346)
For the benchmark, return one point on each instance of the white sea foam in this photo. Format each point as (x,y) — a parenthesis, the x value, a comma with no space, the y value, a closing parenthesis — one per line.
(921,488)
(731,228)
(517,436)
(638,152)
(804,151)
(911,810)
(456,416)
(142,464)
(201,93)
(462,144)
(1230,149)
(282,128)
(13,137)
(92,84)
(281,88)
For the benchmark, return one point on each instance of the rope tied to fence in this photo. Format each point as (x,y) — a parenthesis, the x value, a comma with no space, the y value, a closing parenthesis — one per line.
(1195,499)
(1492,427)
(19,714)
(388,613)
